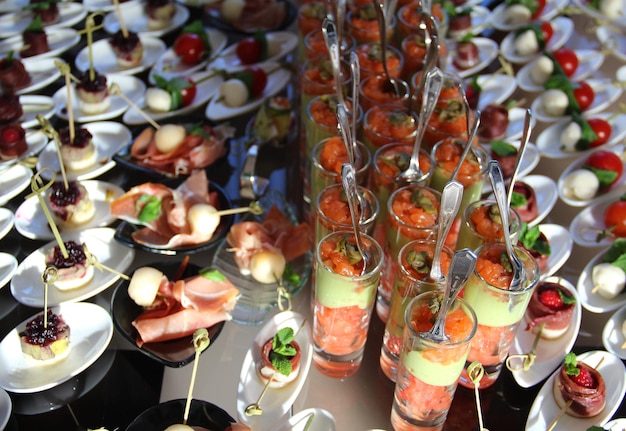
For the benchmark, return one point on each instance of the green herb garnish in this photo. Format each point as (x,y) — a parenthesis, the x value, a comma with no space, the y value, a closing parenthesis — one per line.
(151,210)
(282,350)
(571,368)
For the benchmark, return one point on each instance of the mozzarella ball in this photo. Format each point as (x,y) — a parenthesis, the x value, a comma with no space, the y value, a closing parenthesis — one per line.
(609,280)
(554,102)
(203,219)
(526,43)
(158,100)
(234,92)
(542,68)
(516,14)
(570,135)
(267,266)
(144,285)
(232,9)
(581,184)
(169,137)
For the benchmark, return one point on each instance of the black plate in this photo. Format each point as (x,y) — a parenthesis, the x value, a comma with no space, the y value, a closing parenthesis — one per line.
(215,19)
(173,353)
(201,413)
(124,231)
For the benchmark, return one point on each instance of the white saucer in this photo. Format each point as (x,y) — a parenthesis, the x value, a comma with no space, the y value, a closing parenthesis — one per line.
(551,9)
(619,21)
(34,106)
(585,226)
(545,193)
(612,336)
(59,41)
(13,181)
(42,72)
(109,137)
(14,23)
(136,20)
(550,353)
(31,222)
(487,53)
(592,301)
(616,425)
(495,89)
(6,406)
(563,28)
(481,20)
(320,420)
(103,5)
(6,222)
(105,60)
(8,267)
(612,40)
(561,244)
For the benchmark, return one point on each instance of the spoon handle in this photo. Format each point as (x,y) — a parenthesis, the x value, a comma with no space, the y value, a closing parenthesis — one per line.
(520,152)
(348,179)
(432,89)
(433,50)
(329,31)
(450,202)
(356,79)
(346,134)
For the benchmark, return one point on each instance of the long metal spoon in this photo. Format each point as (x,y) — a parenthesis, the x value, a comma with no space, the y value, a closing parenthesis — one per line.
(497,182)
(348,178)
(329,31)
(356,80)
(450,203)
(468,146)
(434,82)
(431,55)
(391,83)
(520,152)
(461,267)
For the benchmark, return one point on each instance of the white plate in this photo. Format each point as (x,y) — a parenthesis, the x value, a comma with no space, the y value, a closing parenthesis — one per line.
(487,53)
(26,285)
(549,140)
(136,20)
(13,181)
(619,21)
(204,92)
(42,72)
(589,61)
(133,88)
(606,92)
(589,222)
(550,353)
(108,137)
(59,41)
(592,301)
(495,89)
(14,23)
(563,28)
(322,420)
(280,43)
(35,141)
(551,9)
(277,401)
(12,5)
(168,65)
(481,20)
(6,407)
(31,222)
(103,5)
(6,222)
(616,425)
(545,193)
(545,409)
(615,190)
(515,129)
(8,267)
(218,111)
(561,244)
(91,330)
(612,40)
(34,106)
(612,337)
(105,60)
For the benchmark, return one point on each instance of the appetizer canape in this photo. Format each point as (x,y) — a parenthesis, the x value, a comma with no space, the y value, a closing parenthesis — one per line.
(74,271)
(536,243)
(494,122)
(70,206)
(160,13)
(34,39)
(78,153)
(12,141)
(46,10)
(128,48)
(241,87)
(273,120)
(580,133)
(598,173)
(13,75)
(467,54)
(580,385)
(10,108)
(550,310)
(609,276)
(92,94)
(192,44)
(524,201)
(532,38)
(46,342)
(280,359)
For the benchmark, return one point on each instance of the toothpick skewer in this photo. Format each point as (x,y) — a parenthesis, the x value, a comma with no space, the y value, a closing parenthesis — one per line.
(475,372)
(51,133)
(90,27)
(93,260)
(115,90)
(120,18)
(65,71)
(48,277)
(201,341)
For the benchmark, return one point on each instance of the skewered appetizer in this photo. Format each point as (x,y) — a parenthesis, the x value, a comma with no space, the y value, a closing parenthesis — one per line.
(532,38)
(536,243)
(519,12)
(34,39)
(71,206)
(581,384)
(160,13)
(280,359)
(93,94)
(73,271)
(170,94)
(12,141)
(467,53)
(580,133)
(192,45)
(552,306)
(241,87)
(10,108)
(47,10)
(46,342)
(600,171)
(80,153)
(494,122)
(609,277)
(524,201)
(564,97)
(128,49)
(459,20)
(13,75)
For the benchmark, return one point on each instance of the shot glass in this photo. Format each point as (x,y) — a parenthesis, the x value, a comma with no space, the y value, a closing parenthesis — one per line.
(373,91)
(317,78)
(410,20)
(344,295)
(362,24)
(386,124)
(429,368)
(482,223)
(413,48)
(310,18)
(315,45)
(411,279)
(371,60)
(499,309)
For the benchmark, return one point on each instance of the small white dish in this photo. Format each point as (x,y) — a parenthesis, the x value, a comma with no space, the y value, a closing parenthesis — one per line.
(70,14)
(515,129)
(59,41)
(549,140)
(614,190)
(588,223)
(561,244)
(551,9)
(612,40)
(613,338)
(31,222)
(592,301)
(105,60)
(8,267)
(321,420)
(617,21)
(13,181)
(168,65)
(26,285)
(279,43)
(495,89)
(136,20)
(103,5)
(34,106)
(563,28)
(43,72)
(6,222)
(205,91)
(546,195)
(545,409)
(35,141)
(605,93)
(550,353)
(487,53)
(589,61)
(91,330)
(277,401)
(616,425)
(276,81)
(6,406)
(481,20)
(108,137)
(12,5)
(133,88)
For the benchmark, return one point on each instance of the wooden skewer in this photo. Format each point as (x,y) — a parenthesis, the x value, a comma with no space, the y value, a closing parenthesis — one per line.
(201,341)
(120,18)
(115,90)
(65,70)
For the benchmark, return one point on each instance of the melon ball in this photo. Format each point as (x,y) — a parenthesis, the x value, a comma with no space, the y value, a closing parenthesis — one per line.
(267,266)
(234,92)
(169,137)
(158,99)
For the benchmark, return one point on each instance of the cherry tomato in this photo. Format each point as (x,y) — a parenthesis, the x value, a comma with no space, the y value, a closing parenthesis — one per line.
(547,31)
(249,51)
(615,218)
(190,48)
(567,59)
(584,95)
(603,131)
(541,4)
(188,94)
(259,81)
(608,161)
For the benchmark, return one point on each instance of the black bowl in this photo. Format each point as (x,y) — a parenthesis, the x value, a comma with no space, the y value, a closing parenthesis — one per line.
(201,413)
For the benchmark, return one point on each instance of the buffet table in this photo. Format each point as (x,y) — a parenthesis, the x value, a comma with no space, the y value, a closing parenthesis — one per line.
(124,382)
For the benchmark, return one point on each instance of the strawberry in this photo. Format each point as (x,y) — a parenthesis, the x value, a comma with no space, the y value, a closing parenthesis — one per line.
(554,298)
(584,379)
(10,134)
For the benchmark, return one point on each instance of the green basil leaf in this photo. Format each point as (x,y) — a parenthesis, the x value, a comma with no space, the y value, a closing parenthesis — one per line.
(605,176)
(151,210)
(502,148)
(213,274)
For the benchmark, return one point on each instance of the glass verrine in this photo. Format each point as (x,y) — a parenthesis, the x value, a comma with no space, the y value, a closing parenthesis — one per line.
(411,279)
(371,60)
(414,49)
(314,44)
(410,20)
(429,369)
(499,310)
(373,91)
(482,223)
(412,213)
(317,78)
(310,18)
(386,124)
(362,24)
(343,301)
